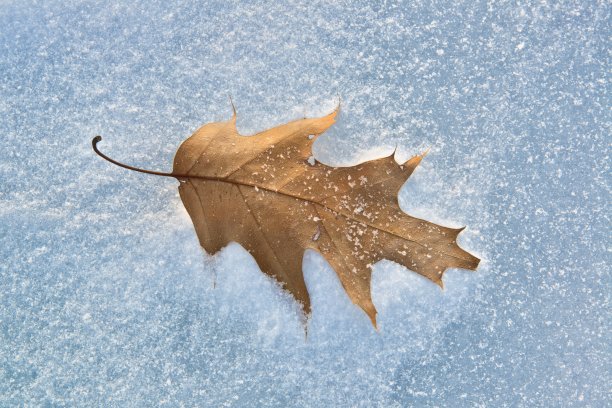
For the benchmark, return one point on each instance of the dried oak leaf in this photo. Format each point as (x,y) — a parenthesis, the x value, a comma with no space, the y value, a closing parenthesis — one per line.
(267,193)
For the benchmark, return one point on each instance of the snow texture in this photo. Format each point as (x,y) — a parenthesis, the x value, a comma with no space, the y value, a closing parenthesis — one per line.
(106,298)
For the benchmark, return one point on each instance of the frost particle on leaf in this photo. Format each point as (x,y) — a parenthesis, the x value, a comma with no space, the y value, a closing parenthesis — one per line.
(317,234)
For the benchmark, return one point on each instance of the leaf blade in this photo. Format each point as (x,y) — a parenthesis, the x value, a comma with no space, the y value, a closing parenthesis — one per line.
(269,198)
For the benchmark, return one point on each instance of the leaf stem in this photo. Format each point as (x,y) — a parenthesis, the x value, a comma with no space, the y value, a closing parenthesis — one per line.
(94,144)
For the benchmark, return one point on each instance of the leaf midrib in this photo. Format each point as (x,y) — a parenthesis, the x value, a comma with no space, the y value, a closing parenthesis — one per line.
(297,197)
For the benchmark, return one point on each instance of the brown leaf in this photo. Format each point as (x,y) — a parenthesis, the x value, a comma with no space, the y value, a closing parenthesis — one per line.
(267,193)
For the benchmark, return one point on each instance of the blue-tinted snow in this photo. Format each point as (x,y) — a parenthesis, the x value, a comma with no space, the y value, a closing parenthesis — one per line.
(107,299)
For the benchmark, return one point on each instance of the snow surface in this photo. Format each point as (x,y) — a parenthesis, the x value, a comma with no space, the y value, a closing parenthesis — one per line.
(106,299)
